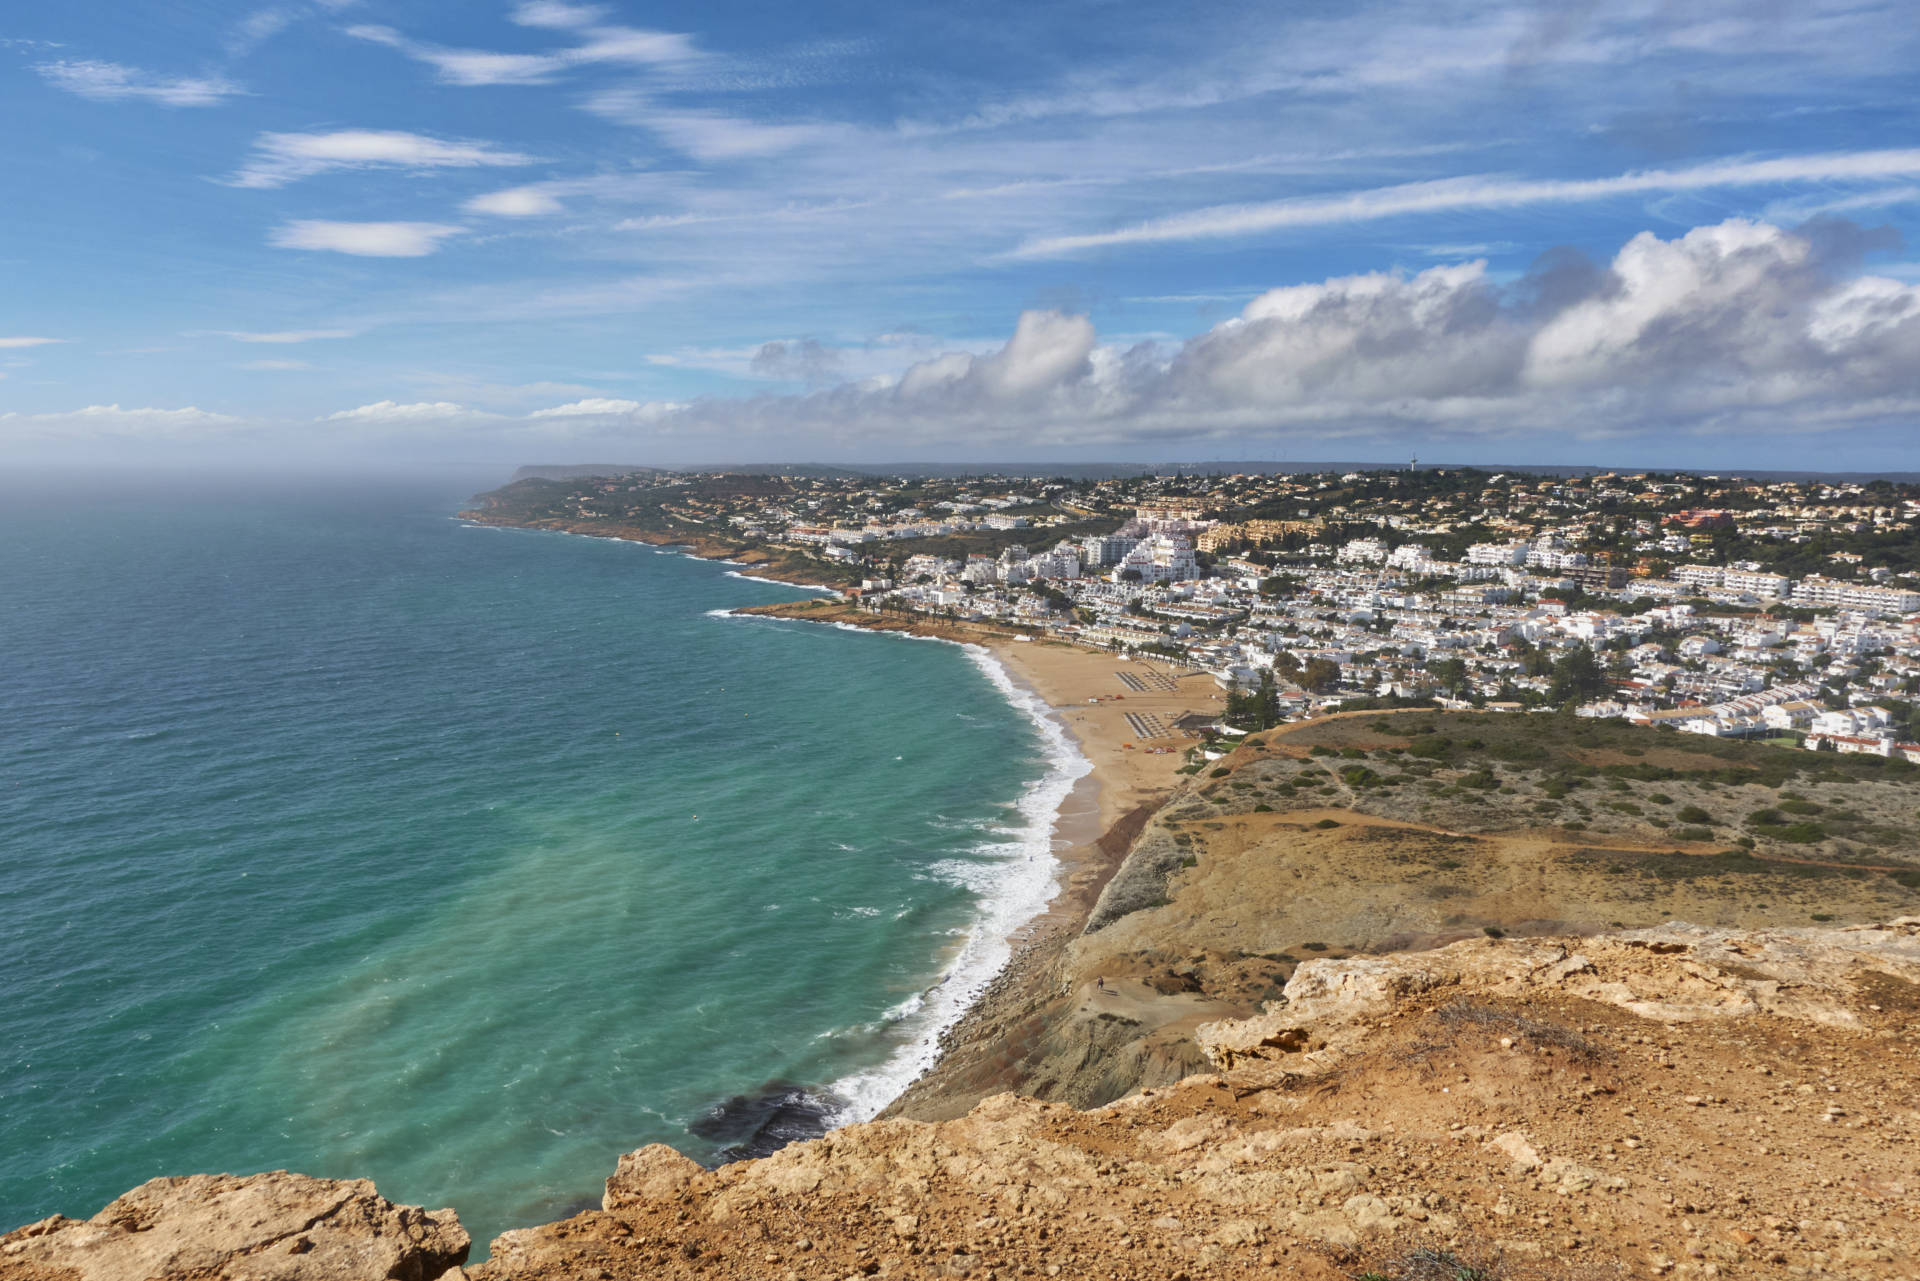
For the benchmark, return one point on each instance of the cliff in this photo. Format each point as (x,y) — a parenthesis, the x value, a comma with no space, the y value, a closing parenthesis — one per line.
(267,1227)
(1675,1101)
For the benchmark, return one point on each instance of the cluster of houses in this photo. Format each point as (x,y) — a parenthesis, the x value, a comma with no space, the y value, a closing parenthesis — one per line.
(1383,616)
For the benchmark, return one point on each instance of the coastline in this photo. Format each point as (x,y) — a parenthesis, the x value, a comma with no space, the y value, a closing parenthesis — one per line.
(1090,830)
(1078,692)
(700,546)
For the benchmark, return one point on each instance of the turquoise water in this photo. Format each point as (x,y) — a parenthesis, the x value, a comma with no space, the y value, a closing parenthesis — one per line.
(342,837)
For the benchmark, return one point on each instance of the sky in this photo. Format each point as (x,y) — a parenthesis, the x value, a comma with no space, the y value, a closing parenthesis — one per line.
(423,233)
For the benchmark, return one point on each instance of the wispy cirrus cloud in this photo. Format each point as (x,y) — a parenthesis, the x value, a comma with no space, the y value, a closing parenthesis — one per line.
(1480,192)
(116,82)
(597,43)
(282,158)
(10,343)
(559,16)
(364,239)
(287,335)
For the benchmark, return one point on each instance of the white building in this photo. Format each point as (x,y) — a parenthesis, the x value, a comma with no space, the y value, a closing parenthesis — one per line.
(1817,592)
(1163,558)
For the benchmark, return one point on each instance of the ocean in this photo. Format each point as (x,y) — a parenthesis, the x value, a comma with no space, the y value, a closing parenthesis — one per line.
(344,837)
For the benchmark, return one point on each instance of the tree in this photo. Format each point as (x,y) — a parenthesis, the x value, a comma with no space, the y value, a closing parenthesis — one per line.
(1256,709)
(1577,676)
(1450,674)
(1320,675)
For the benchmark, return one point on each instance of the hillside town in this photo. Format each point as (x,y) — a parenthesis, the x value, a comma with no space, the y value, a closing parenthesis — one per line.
(1781,610)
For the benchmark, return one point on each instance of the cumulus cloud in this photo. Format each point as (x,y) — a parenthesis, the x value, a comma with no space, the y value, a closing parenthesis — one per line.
(114,82)
(387,411)
(6,343)
(281,158)
(515,202)
(365,239)
(1739,326)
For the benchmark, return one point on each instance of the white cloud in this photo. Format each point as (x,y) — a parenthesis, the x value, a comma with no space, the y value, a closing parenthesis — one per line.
(275,366)
(711,135)
(599,44)
(281,158)
(287,335)
(6,343)
(365,239)
(1741,326)
(111,421)
(113,82)
(467,66)
(387,411)
(552,13)
(1481,192)
(515,202)
(590,407)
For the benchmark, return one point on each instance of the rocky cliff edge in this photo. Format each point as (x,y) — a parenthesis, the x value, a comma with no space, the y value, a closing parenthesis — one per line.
(1673,1102)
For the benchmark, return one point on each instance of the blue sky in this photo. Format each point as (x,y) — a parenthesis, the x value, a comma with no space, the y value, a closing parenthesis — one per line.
(502,231)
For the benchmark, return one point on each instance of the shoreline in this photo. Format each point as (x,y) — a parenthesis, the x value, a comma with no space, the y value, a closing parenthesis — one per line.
(1076,691)
(1090,830)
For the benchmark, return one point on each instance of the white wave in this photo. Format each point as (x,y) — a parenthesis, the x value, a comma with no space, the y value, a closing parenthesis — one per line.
(1015,879)
(777,582)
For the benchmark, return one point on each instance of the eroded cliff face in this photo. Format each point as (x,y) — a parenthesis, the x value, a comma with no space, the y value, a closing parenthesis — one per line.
(1676,1101)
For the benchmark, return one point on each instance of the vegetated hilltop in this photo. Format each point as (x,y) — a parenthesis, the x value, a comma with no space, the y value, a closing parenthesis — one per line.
(1377,832)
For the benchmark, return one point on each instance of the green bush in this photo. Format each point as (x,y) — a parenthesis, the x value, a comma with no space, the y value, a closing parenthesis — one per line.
(1430,746)
(1800,805)
(1222,772)
(1325,823)
(1692,833)
(1692,814)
